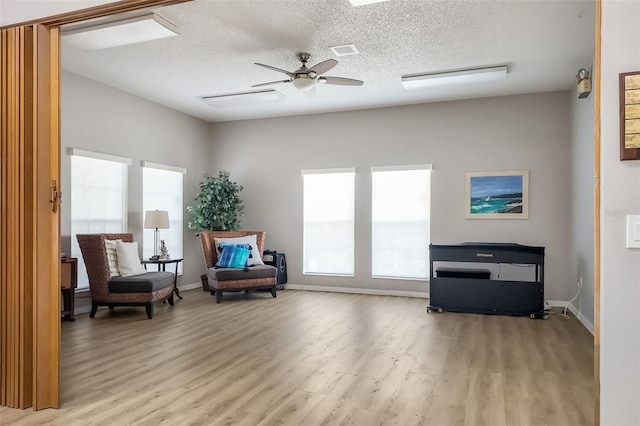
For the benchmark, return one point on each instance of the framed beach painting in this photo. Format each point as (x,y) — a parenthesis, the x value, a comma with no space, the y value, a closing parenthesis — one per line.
(497,195)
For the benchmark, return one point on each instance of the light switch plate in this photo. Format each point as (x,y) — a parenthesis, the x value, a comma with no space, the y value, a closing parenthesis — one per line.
(633,231)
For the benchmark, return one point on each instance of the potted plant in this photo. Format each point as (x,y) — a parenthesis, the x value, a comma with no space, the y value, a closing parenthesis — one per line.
(218,207)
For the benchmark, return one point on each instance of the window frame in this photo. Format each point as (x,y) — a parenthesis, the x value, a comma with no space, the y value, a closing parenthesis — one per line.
(305,254)
(374,246)
(75,250)
(166,168)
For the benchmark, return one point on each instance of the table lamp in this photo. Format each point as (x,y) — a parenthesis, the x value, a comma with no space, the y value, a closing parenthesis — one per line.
(156,219)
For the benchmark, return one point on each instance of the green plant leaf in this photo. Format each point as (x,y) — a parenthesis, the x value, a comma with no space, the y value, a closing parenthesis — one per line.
(218,206)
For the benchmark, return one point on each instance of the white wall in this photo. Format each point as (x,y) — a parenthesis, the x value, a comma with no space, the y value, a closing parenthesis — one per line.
(100,118)
(620,273)
(517,132)
(582,202)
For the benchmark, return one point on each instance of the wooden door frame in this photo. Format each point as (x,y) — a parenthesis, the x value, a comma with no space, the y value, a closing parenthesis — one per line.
(29,186)
(596,212)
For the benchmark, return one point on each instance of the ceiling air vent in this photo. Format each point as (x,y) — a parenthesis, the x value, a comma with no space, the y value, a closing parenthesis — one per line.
(344,50)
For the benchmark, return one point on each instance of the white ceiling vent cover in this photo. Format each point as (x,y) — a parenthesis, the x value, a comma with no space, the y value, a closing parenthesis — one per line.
(344,50)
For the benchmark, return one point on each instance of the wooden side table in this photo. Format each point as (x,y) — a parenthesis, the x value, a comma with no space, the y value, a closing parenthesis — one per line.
(162,263)
(68,284)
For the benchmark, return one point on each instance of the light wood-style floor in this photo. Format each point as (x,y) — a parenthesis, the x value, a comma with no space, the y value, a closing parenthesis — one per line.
(309,358)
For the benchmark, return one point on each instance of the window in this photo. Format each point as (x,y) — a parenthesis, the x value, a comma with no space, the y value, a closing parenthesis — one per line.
(98,199)
(162,190)
(328,237)
(400,222)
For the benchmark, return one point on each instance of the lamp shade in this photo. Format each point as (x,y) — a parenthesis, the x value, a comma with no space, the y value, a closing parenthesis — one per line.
(156,219)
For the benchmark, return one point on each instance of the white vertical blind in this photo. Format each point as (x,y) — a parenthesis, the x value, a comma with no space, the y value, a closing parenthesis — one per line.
(328,238)
(98,199)
(162,189)
(400,222)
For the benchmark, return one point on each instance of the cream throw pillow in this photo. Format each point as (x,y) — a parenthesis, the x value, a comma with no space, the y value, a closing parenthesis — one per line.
(254,259)
(128,259)
(112,257)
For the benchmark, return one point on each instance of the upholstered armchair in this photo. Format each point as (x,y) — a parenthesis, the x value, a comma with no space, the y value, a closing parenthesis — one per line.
(135,290)
(255,277)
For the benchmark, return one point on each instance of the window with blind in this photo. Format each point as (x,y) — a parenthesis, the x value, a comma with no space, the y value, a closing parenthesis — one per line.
(162,189)
(400,222)
(328,236)
(98,199)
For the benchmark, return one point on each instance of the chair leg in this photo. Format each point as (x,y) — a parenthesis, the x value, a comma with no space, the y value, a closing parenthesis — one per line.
(218,296)
(94,309)
(149,307)
(273,292)
(111,307)
(213,292)
(170,299)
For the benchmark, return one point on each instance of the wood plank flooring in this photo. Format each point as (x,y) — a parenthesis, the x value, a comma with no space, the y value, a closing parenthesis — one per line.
(309,358)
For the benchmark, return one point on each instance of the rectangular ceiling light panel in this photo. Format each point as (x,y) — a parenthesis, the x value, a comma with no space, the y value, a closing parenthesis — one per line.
(478,75)
(120,33)
(244,98)
(356,3)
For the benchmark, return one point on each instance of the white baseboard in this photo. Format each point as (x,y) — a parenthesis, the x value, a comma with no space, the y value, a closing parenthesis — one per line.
(191,286)
(421,295)
(588,325)
(561,304)
(399,293)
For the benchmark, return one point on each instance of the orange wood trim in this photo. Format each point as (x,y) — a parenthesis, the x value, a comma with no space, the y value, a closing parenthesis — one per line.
(99,11)
(3,216)
(597,205)
(29,230)
(46,293)
(15,139)
(24,221)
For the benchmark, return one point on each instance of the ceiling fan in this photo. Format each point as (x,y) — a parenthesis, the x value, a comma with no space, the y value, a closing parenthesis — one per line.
(305,79)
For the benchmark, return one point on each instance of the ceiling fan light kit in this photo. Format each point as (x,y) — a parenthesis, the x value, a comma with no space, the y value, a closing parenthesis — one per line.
(244,98)
(467,76)
(120,33)
(304,83)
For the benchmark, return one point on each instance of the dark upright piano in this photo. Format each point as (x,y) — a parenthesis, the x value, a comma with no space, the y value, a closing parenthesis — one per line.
(472,290)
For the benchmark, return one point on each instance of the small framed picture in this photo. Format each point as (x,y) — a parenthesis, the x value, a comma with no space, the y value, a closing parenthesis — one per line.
(497,195)
(629,115)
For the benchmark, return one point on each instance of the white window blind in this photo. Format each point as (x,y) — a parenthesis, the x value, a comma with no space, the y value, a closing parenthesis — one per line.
(400,222)
(98,199)
(329,204)
(162,189)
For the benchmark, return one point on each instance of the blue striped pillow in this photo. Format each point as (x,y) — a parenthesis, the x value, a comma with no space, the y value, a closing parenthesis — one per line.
(233,256)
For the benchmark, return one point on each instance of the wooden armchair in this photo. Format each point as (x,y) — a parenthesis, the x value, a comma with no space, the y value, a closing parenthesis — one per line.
(136,290)
(228,279)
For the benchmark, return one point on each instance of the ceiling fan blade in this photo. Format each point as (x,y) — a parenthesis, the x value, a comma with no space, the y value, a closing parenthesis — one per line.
(341,81)
(311,93)
(324,66)
(275,69)
(271,82)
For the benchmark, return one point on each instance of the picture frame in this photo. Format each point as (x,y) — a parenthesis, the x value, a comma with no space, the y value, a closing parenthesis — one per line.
(497,194)
(629,83)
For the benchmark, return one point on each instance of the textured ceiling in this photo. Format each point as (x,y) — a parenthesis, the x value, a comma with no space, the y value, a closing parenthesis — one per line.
(542,42)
